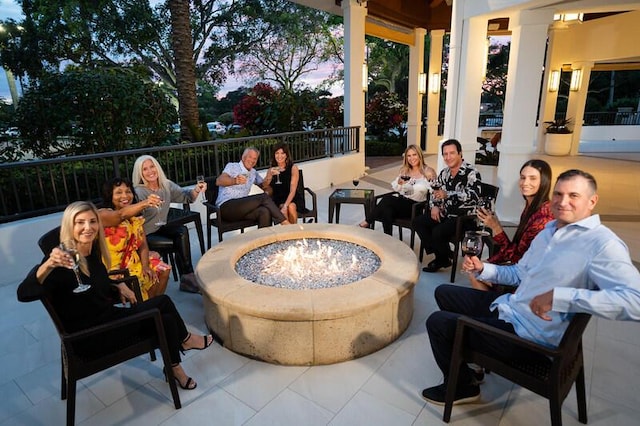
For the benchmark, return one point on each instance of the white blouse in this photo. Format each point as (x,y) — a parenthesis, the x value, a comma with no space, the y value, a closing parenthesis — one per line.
(415,189)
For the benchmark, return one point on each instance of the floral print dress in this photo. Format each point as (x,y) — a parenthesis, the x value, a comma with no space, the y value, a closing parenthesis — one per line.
(123,242)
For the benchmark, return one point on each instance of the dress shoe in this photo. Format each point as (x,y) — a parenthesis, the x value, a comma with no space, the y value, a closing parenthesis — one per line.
(435,265)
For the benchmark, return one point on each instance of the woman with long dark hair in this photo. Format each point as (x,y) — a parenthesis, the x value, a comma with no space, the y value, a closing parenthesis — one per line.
(535,185)
(283,180)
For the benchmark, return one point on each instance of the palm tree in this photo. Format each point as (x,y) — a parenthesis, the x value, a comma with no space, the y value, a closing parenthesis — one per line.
(185,69)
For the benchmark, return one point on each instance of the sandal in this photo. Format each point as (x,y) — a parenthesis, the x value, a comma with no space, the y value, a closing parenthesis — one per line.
(205,339)
(190,385)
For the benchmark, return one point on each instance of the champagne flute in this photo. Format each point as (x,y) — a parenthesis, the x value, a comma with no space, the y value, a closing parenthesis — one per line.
(200,180)
(472,244)
(69,247)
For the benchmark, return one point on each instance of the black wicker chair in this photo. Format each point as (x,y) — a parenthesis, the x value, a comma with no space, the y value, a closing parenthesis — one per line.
(552,376)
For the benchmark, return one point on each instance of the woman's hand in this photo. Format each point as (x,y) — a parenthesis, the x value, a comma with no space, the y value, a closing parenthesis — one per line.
(150,274)
(126,295)
(490,220)
(60,259)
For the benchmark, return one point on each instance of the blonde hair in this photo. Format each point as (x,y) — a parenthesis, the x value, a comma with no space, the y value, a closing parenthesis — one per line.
(139,180)
(66,231)
(405,162)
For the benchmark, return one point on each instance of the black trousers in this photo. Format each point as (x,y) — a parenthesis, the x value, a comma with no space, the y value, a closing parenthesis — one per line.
(174,327)
(434,235)
(388,209)
(180,236)
(259,207)
(455,301)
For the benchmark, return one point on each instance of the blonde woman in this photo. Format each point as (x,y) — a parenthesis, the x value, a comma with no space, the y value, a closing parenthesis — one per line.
(78,311)
(149,180)
(413,185)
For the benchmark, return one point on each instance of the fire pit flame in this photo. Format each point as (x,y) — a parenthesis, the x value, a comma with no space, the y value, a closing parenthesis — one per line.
(301,264)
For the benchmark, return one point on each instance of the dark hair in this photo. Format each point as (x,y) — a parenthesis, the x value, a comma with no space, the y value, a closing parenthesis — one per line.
(108,187)
(539,198)
(570,174)
(451,142)
(284,147)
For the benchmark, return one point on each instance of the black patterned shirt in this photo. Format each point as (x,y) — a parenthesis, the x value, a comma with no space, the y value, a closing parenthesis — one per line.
(463,190)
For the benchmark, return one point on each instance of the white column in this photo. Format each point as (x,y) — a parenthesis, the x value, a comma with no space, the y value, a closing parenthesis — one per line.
(416,66)
(354,54)
(577,103)
(468,52)
(433,99)
(548,100)
(519,130)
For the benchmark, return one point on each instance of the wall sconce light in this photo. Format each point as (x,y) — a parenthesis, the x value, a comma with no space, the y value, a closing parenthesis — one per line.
(576,76)
(422,83)
(434,83)
(365,77)
(554,80)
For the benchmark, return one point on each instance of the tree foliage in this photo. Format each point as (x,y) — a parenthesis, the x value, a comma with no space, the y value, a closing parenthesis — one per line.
(294,40)
(494,86)
(266,109)
(385,112)
(91,111)
(388,66)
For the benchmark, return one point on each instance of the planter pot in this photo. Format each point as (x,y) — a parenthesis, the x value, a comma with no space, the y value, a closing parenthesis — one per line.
(557,143)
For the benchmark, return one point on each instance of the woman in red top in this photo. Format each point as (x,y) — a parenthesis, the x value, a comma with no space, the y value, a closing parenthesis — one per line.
(535,184)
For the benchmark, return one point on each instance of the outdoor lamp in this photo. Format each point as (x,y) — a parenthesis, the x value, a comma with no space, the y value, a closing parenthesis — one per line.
(554,80)
(365,77)
(422,83)
(434,83)
(576,76)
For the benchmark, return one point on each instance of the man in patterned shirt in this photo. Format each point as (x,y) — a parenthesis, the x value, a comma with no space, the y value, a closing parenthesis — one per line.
(457,196)
(233,196)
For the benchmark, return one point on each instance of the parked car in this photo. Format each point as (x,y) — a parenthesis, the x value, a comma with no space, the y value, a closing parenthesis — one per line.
(216,127)
(234,129)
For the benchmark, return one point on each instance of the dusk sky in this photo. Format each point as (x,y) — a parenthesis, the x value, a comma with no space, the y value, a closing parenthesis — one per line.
(9,9)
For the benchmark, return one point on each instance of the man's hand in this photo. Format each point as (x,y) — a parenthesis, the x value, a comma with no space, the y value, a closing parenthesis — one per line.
(541,304)
(435,214)
(472,264)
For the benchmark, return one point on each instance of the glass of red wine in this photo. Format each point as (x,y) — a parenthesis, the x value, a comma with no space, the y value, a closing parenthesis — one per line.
(356,181)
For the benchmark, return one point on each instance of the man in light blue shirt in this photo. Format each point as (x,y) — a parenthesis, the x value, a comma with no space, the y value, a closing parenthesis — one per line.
(233,195)
(575,264)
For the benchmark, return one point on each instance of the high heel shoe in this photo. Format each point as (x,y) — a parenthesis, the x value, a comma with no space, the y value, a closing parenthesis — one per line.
(205,339)
(186,386)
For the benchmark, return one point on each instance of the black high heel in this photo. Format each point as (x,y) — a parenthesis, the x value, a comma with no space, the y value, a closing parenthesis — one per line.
(186,386)
(205,339)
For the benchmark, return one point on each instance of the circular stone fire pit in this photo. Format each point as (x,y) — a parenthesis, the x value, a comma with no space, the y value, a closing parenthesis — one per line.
(308,327)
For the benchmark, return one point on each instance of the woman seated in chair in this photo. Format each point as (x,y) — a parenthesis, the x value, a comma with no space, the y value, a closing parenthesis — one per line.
(282,178)
(413,185)
(535,184)
(55,279)
(149,181)
(125,238)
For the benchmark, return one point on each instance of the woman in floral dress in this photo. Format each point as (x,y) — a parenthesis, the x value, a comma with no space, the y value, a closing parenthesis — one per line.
(124,233)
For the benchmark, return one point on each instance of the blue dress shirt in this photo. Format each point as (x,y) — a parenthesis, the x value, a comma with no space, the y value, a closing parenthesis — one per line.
(585,264)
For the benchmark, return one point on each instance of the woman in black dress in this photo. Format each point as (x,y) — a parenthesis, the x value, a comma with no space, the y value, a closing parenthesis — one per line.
(282,177)
(54,279)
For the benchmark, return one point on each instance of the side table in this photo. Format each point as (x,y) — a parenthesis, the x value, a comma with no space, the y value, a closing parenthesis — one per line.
(350,196)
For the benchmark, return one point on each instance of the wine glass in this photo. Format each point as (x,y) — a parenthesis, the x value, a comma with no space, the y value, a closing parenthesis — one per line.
(472,243)
(69,247)
(436,186)
(277,169)
(356,181)
(199,180)
(159,221)
(485,203)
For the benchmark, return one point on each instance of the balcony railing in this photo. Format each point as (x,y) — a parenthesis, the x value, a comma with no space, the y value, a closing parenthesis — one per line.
(35,188)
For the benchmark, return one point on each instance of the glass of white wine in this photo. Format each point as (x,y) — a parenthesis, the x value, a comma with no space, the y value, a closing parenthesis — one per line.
(199,180)
(69,247)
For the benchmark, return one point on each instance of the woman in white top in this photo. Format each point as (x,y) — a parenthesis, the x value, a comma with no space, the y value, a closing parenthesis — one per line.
(413,185)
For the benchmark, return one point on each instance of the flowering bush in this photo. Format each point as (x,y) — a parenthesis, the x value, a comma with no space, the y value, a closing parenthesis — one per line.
(383,113)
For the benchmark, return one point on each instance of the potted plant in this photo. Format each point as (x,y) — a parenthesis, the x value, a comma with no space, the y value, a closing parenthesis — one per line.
(558,138)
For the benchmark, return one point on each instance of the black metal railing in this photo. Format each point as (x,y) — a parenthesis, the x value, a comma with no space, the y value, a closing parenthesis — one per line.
(621,118)
(35,188)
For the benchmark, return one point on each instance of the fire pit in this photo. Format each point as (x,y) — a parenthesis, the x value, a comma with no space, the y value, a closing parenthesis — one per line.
(308,326)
